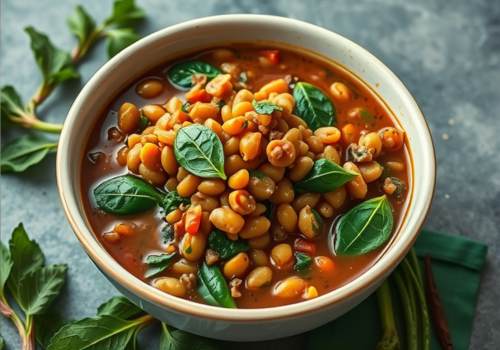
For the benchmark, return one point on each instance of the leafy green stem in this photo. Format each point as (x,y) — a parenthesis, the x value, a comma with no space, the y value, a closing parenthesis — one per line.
(27,341)
(390,338)
(408,310)
(31,121)
(82,49)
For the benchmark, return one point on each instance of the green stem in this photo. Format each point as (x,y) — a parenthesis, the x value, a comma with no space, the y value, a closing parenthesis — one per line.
(32,122)
(30,334)
(409,313)
(390,338)
(8,312)
(425,323)
(416,265)
(82,49)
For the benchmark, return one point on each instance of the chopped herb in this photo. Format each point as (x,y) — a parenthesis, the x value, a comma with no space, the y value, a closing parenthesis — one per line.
(265,107)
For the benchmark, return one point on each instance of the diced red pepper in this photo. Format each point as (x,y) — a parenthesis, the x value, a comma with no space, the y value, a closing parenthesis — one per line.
(304,246)
(179,227)
(272,55)
(199,96)
(193,219)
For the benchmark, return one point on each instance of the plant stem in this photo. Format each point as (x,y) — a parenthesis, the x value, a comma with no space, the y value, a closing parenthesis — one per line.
(409,314)
(425,323)
(390,338)
(27,341)
(33,122)
(81,49)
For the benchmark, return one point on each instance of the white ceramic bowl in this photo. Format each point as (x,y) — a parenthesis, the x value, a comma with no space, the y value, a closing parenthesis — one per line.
(164,45)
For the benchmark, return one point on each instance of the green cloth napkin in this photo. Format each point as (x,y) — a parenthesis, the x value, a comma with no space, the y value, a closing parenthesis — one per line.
(456,264)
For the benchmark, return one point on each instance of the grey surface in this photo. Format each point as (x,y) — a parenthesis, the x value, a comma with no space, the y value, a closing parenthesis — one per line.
(446,52)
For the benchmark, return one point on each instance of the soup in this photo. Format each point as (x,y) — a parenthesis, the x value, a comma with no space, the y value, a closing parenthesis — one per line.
(246,177)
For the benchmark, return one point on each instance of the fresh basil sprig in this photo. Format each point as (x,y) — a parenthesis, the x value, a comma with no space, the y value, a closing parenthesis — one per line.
(225,247)
(364,228)
(325,176)
(181,74)
(312,105)
(199,151)
(32,285)
(213,288)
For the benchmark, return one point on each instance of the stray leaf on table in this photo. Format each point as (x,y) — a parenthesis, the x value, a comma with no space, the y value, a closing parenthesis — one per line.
(175,339)
(119,307)
(5,266)
(10,102)
(118,39)
(46,325)
(81,24)
(24,152)
(125,13)
(38,288)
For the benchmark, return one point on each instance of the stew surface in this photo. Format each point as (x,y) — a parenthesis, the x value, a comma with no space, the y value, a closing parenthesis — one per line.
(218,177)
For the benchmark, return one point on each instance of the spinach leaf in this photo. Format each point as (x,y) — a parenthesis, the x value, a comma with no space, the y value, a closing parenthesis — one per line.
(5,267)
(158,263)
(364,228)
(81,24)
(167,234)
(199,151)
(55,64)
(175,339)
(265,107)
(46,325)
(172,201)
(24,152)
(120,38)
(27,258)
(325,176)
(180,75)
(312,105)
(11,103)
(126,194)
(119,307)
(302,262)
(225,247)
(213,288)
(125,14)
(100,332)
(38,288)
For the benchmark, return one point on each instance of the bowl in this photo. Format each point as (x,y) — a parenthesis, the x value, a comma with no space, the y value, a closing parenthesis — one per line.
(168,43)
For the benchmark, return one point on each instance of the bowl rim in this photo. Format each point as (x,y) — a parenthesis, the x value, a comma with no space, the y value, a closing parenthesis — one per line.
(112,269)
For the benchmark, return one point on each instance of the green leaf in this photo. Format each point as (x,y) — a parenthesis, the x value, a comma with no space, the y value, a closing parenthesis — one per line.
(46,325)
(172,201)
(27,257)
(158,263)
(225,247)
(176,339)
(312,105)
(364,228)
(302,262)
(167,234)
(213,288)
(10,102)
(118,39)
(199,151)
(2,343)
(325,176)
(265,107)
(81,24)
(95,333)
(5,267)
(38,288)
(24,152)
(55,64)
(126,194)
(180,75)
(125,13)
(119,307)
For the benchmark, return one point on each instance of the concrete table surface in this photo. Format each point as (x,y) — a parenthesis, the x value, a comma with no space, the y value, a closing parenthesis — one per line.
(446,52)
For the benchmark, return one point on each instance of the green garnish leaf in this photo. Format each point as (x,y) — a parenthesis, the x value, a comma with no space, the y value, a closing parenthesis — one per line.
(126,194)
(24,152)
(100,332)
(302,262)
(225,247)
(46,325)
(180,75)
(158,263)
(27,258)
(313,106)
(325,176)
(199,151)
(38,288)
(213,288)
(172,201)
(265,107)
(175,339)
(167,233)
(364,228)
(11,103)
(5,267)
(120,38)
(81,24)
(119,307)
(125,14)
(55,64)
